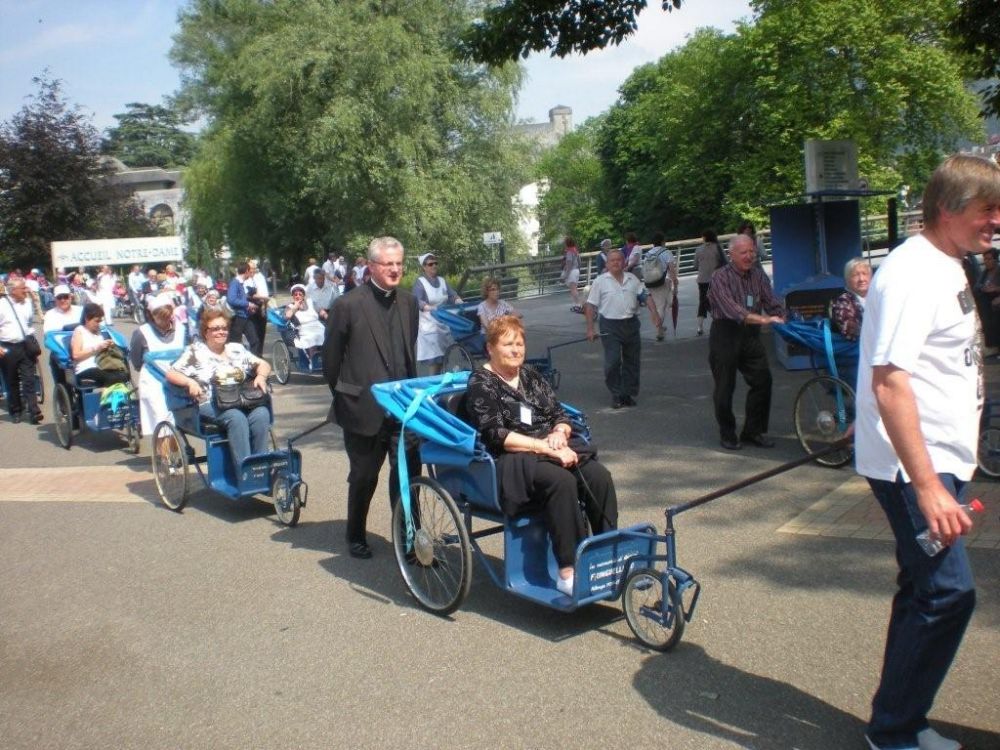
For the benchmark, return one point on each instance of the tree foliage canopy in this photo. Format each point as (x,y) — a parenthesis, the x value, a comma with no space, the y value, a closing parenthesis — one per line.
(976,32)
(714,131)
(515,28)
(334,122)
(54,184)
(149,135)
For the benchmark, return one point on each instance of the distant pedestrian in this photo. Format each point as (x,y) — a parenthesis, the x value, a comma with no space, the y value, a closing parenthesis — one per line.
(602,256)
(633,253)
(431,292)
(920,396)
(707,259)
(742,301)
(570,275)
(615,298)
(660,280)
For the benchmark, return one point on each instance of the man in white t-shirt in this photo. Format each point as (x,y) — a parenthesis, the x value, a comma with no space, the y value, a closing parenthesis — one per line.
(920,394)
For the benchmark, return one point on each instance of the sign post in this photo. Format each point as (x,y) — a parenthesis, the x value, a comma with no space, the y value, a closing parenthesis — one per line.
(117,252)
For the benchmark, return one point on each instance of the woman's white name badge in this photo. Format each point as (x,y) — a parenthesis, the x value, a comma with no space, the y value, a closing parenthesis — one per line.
(525,414)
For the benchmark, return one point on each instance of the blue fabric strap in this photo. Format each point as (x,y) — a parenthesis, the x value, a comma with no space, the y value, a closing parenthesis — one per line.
(832,364)
(420,395)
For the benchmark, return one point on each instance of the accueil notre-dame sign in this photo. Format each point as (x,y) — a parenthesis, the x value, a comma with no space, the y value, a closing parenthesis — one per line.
(117,252)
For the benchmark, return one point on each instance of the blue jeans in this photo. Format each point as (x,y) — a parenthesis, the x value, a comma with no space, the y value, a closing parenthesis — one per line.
(930,611)
(247,431)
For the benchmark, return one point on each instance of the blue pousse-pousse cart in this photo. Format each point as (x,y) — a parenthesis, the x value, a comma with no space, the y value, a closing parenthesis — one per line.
(469,345)
(275,473)
(78,403)
(285,356)
(437,525)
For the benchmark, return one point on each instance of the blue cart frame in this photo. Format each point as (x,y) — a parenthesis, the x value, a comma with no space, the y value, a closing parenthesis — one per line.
(274,473)
(77,404)
(285,356)
(435,536)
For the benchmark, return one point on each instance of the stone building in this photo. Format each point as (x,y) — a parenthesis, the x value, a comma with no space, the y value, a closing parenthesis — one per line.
(159,191)
(546,135)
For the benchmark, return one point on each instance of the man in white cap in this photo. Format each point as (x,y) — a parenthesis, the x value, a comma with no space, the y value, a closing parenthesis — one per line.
(65,313)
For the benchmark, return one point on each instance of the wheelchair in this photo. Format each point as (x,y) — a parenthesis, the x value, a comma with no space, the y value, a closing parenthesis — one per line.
(84,405)
(276,474)
(435,530)
(285,356)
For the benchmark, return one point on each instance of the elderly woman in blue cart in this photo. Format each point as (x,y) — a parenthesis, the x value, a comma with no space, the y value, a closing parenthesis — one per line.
(212,361)
(540,465)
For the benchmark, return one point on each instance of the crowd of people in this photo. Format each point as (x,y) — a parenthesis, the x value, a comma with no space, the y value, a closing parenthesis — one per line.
(919,385)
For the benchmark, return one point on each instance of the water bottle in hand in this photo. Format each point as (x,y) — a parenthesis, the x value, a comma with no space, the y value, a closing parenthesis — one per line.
(931,544)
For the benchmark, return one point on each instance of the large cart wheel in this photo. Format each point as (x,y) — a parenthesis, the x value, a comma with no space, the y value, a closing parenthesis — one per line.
(39,385)
(281,361)
(456,359)
(657,627)
(62,411)
(438,568)
(170,466)
(824,409)
(988,455)
(287,499)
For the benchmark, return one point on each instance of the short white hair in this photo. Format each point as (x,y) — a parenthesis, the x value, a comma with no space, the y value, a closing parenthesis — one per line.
(377,245)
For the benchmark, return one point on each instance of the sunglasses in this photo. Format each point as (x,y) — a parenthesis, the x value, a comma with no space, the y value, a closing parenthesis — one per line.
(64,296)
(217,329)
(431,263)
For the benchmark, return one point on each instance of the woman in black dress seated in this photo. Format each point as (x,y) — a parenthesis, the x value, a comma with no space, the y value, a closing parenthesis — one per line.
(540,465)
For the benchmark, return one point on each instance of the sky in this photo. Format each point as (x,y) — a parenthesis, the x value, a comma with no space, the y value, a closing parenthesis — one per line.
(108,53)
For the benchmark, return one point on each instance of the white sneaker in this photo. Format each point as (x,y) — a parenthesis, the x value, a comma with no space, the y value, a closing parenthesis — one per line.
(926,740)
(565,585)
(873,746)
(931,740)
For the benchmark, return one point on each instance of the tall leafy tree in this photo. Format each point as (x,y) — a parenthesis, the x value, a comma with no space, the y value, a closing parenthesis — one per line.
(334,122)
(574,200)
(715,130)
(54,184)
(149,135)
(975,29)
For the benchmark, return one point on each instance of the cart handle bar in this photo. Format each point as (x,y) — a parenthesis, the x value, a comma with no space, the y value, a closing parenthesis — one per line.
(574,341)
(311,430)
(673,510)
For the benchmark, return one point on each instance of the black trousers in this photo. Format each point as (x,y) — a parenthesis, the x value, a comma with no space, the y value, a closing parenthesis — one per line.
(366,454)
(703,308)
(103,377)
(240,328)
(259,323)
(622,347)
(734,347)
(558,491)
(19,373)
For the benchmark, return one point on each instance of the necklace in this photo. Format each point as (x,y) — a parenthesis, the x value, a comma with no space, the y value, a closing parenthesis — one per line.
(513,381)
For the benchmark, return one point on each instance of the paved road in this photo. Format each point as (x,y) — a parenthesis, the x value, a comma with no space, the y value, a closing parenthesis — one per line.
(125,625)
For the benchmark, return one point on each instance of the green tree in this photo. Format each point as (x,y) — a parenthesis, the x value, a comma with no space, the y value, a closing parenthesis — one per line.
(975,29)
(514,28)
(334,122)
(54,184)
(573,200)
(149,135)
(715,130)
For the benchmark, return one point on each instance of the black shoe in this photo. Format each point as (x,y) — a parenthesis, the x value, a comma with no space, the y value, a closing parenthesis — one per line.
(761,440)
(16,418)
(37,418)
(360,550)
(628,401)
(730,444)
(617,403)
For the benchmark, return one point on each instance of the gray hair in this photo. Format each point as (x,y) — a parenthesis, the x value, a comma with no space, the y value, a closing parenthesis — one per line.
(959,180)
(854,263)
(743,239)
(377,245)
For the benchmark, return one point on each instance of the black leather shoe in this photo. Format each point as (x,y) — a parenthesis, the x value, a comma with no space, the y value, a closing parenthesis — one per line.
(36,418)
(16,418)
(761,441)
(360,550)
(730,444)
(617,403)
(628,401)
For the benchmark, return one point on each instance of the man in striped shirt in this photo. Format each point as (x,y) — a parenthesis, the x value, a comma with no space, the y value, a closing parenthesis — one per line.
(742,300)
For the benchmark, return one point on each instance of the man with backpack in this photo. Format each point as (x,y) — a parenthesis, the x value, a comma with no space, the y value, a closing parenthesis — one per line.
(659,273)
